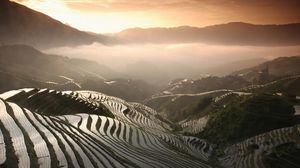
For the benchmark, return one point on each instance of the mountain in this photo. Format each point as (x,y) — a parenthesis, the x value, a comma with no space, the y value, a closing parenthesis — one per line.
(265,111)
(186,99)
(235,33)
(278,67)
(49,128)
(252,126)
(21,25)
(28,61)
(24,66)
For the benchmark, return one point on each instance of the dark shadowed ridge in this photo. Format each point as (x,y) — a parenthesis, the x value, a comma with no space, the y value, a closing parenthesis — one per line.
(24,66)
(21,25)
(235,33)
(282,66)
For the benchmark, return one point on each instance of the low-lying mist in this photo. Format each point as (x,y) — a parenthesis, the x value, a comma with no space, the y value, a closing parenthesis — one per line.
(158,63)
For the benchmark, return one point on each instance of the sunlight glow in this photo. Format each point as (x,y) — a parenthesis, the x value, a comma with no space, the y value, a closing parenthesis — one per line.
(108,16)
(92,21)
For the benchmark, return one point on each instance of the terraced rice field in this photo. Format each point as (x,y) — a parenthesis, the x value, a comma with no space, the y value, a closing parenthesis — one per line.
(194,126)
(251,152)
(48,128)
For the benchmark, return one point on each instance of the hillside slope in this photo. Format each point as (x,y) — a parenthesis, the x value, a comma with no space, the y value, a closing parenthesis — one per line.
(48,128)
(190,99)
(105,132)
(278,67)
(21,25)
(23,66)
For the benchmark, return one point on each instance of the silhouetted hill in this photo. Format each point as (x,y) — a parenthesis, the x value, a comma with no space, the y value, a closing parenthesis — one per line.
(21,25)
(235,33)
(26,60)
(282,66)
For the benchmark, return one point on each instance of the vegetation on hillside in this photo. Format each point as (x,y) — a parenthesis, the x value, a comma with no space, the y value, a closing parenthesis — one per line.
(178,108)
(248,116)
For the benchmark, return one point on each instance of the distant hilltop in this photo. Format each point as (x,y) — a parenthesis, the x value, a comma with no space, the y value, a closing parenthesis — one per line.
(22,25)
(234,33)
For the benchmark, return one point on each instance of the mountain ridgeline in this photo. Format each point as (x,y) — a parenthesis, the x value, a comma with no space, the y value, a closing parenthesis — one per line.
(235,33)
(282,66)
(21,25)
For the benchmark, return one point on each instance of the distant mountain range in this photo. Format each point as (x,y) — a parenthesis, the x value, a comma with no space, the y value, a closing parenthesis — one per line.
(235,33)
(22,25)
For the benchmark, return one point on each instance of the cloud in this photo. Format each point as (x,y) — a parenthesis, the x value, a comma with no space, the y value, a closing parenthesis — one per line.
(156,63)
(195,55)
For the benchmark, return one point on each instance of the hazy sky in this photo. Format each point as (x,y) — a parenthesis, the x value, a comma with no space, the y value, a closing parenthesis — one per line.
(104,16)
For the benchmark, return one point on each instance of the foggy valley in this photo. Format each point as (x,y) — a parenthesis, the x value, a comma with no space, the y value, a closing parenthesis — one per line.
(174,83)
